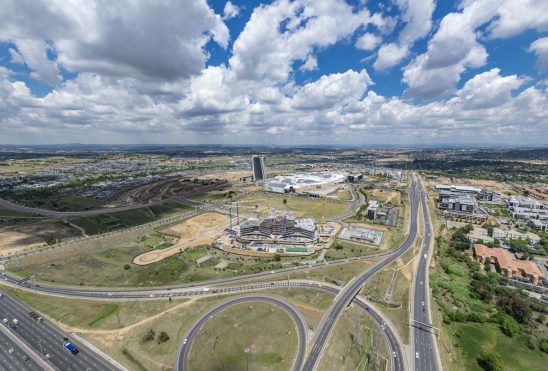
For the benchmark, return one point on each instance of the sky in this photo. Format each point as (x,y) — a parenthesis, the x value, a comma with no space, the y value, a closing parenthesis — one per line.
(330,72)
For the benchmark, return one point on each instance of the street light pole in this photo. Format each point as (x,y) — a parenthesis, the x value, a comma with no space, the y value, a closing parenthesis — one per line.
(246,350)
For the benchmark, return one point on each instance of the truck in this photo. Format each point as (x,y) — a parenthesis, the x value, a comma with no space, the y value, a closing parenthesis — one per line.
(71,348)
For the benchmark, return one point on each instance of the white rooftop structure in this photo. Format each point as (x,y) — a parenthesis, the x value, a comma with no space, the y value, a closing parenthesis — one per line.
(299,181)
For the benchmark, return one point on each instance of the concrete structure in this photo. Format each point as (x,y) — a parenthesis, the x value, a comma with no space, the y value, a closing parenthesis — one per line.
(480,234)
(277,226)
(482,195)
(512,234)
(354,178)
(259,167)
(372,209)
(361,234)
(461,202)
(527,208)
(504,263)
(315,184)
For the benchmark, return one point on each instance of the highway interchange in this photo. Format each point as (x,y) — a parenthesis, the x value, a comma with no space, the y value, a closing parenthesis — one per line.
(344,297)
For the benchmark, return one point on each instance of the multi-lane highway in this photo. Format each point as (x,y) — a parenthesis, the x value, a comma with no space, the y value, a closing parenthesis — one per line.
(181,361)
(47,339)
(343,299)
(12,356)
(424,346)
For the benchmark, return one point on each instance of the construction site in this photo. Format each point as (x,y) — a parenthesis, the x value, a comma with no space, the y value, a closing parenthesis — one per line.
(277,233)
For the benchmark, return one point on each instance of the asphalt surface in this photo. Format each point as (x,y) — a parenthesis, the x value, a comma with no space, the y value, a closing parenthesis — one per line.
(13,360)
(181,361)
(423,342)
(46,338)
(343,299)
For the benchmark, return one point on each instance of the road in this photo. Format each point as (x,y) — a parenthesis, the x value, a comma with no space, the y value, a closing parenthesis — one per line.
(14,360)
(181,361)
(46,338)
(392,338)
(425,354)
(343,299)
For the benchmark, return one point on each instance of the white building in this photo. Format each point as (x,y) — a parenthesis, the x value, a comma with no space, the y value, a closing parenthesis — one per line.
(512,234)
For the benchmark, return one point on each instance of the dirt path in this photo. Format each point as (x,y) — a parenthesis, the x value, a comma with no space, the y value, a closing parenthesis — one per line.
(124,330)
(199,230)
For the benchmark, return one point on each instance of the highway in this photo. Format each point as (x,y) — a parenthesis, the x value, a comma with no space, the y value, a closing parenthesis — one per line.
(46,338)
(181,361)
(343,299)
(12,357)
(424,346)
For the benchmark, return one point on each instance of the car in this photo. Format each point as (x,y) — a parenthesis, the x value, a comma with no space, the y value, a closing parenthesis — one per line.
(185,341)
(417,355)
(48,356)
(423,303)
(10,350)
(15,321)
(25,358)
(394,354)
(5,320)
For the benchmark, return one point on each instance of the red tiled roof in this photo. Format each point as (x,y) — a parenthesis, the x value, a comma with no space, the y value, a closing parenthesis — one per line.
(504,260)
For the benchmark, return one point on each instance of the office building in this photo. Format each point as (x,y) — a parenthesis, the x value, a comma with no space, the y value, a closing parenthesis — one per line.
(259,167)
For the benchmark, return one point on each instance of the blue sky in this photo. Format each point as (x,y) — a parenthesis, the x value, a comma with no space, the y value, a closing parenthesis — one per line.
(282,72)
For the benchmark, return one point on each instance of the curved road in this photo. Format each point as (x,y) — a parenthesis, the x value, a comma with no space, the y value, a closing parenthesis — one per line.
(343,299)
(181,361)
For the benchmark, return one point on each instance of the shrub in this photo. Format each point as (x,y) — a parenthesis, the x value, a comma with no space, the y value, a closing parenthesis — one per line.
(163,337)
(277,257)
(489,362)
(127,267)
(509,326)
(543,345)
(150,335)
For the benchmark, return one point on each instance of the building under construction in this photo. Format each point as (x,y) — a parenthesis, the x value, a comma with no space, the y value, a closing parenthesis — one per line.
(278,226)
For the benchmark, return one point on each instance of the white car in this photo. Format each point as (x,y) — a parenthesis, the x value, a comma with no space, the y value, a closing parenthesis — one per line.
(48,356)
(184,341)
(394,354)
(417,355)
(5,320)
(10,350)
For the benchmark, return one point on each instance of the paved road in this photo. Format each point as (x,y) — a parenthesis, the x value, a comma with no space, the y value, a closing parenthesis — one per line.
(46,338)
(343,299)
(393,339)
(14,360)
(181,361)
(424,347)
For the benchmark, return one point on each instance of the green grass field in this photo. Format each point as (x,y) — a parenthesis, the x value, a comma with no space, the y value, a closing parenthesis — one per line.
(267,331)
(93,314)
(98,224)
(81,267)
(301,206)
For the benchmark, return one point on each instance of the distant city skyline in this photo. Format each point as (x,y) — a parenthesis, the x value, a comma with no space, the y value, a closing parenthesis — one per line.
(331,72)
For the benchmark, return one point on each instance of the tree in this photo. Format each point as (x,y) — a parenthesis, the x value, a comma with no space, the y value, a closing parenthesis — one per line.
(150,335)
(483,289)
(127,267)
(284,201)
(489,361)
(277,257)
(509,326)
(163,337)
(510,303)
(487,265)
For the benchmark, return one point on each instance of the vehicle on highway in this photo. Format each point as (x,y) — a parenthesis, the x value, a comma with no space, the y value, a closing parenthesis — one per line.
(48,356)
(185,341)
(25,358)
(417,355)
(70,347)
(15,321)
(10,350)
(5,320)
